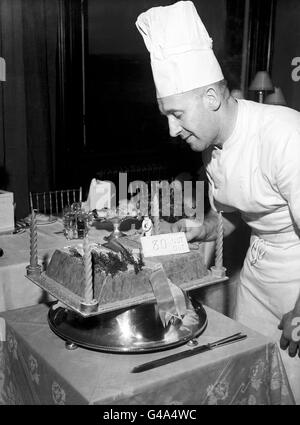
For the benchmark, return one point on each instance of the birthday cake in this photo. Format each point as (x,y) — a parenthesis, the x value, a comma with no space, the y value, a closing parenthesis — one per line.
(119,276)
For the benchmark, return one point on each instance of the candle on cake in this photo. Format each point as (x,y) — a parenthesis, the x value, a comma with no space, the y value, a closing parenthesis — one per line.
(219,242)
(88,292)
(33,240)
(33,269)
(155,212)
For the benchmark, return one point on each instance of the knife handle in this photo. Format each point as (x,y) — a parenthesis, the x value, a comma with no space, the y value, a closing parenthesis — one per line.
(188,353)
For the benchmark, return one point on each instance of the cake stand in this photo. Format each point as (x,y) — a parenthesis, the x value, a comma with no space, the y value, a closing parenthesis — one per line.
(136,329)
(116,233)
(117,224)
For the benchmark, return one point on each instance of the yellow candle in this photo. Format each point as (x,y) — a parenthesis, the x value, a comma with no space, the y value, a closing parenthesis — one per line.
(88,292)
(219,242)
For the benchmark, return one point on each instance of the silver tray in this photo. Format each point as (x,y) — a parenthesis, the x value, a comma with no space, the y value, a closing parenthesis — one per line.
(133,330)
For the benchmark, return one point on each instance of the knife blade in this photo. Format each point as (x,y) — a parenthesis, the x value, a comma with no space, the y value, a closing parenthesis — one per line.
(188,353)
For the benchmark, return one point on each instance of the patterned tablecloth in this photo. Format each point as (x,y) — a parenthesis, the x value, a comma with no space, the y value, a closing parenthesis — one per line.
(35,368)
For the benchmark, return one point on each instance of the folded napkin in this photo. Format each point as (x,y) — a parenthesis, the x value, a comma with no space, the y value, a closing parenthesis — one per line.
(101,195)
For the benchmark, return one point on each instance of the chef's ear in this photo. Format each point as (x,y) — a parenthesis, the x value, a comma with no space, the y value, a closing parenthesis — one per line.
(211,98)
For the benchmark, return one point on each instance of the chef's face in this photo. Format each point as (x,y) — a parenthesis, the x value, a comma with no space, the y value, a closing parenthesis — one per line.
(193,116)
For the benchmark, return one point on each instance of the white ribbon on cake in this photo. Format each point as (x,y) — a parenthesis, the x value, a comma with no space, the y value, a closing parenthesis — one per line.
(171,300)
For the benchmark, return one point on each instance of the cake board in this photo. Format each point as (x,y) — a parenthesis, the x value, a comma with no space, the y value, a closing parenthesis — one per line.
(74,301)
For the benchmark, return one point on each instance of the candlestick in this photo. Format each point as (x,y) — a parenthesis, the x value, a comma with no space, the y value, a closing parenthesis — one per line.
(218,270)
(156,214)
(33,240)
(219,242)
(88,291)
(34,269)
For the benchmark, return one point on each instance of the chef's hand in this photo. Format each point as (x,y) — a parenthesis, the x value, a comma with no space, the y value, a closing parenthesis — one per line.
(290,337)
(193,229)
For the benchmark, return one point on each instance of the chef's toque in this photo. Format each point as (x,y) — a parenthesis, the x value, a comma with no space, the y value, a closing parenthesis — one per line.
(180,48)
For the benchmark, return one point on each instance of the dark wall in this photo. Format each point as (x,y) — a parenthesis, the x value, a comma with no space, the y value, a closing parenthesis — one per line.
(123,122)
(286,48)
(112,27)
(124,128)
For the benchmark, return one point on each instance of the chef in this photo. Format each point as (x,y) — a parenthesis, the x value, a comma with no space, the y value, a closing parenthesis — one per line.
(251,153)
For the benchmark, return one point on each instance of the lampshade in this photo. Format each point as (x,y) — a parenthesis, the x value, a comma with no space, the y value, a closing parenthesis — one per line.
(261,82)
(276,98)
(2,69)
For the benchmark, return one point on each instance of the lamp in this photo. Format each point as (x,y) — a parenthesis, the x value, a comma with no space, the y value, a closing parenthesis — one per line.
(2,69)
(261,83)
(276,98)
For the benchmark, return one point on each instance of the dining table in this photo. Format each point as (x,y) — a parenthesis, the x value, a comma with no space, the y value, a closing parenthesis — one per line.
(36,368)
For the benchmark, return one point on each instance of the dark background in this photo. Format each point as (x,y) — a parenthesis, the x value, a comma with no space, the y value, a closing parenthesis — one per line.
(122,118)
(124,130)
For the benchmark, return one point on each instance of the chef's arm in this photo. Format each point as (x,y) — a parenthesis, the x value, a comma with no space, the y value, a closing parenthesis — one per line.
(230,222)
(207,231)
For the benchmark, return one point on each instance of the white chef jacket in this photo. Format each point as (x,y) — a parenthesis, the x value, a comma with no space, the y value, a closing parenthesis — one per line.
(257,172)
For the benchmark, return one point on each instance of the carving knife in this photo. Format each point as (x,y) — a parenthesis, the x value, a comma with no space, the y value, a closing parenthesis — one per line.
(188,353)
